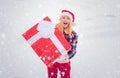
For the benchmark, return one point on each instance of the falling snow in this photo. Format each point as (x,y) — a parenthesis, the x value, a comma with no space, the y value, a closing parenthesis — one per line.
(97,25)
(63,73)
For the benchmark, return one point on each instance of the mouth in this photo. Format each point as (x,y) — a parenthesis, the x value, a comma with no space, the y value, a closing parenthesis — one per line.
(65,23)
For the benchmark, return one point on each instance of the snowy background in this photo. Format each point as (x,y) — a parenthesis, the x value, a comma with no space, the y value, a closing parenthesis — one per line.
(97,24)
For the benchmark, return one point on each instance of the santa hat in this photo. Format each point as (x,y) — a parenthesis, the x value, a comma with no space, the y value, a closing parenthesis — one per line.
(68,13)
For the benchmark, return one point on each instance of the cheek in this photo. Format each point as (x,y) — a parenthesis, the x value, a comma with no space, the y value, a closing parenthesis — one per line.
(68,22)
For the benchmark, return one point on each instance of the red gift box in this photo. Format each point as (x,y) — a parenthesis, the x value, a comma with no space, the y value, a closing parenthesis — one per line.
(47,41)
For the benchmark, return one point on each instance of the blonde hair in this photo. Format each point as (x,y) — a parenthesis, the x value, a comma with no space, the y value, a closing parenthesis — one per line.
(67,30)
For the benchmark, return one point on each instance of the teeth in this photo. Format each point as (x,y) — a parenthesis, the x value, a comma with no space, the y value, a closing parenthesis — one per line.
(65,23)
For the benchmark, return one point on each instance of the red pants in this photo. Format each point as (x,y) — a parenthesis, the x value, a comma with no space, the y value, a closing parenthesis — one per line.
(64,69)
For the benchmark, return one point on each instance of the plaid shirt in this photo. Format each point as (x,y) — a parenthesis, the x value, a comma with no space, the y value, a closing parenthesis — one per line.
(73,42)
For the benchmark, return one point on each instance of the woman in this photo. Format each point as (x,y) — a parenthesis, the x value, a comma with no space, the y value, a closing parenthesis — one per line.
(63,63)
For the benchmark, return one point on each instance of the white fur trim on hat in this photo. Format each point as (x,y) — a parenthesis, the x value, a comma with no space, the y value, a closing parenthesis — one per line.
(66,14)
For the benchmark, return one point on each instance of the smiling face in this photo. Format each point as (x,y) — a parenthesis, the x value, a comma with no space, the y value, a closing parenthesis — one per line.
(65,21)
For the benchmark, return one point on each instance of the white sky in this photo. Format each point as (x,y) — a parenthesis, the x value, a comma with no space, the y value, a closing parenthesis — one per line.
(97,24)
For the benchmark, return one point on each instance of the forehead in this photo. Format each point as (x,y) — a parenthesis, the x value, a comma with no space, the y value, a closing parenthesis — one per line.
(65,16)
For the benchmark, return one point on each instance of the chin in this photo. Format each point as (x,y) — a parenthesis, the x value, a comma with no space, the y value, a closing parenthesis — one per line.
(65,26)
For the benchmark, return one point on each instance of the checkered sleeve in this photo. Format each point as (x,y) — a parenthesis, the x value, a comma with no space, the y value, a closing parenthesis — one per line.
(73,42)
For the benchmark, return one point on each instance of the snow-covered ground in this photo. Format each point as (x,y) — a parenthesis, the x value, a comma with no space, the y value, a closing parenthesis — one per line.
(97,24)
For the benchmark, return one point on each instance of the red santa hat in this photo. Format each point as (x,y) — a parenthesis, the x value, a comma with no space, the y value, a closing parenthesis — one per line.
(68,13)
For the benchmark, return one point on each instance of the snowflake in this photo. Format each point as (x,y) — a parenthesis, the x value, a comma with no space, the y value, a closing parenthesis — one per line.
(118,57)
(2,42)
(56,51)
(2,35)
(65,69)
(40,6)
(52,73)
(0,71)
(62,73)
(49,58)
(43,58)
(118,6)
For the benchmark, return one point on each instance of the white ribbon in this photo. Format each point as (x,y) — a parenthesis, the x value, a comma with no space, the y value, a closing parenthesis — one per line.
(46,30)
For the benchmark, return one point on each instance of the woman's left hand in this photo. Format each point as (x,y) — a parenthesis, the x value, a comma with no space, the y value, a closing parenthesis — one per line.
(63,59)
